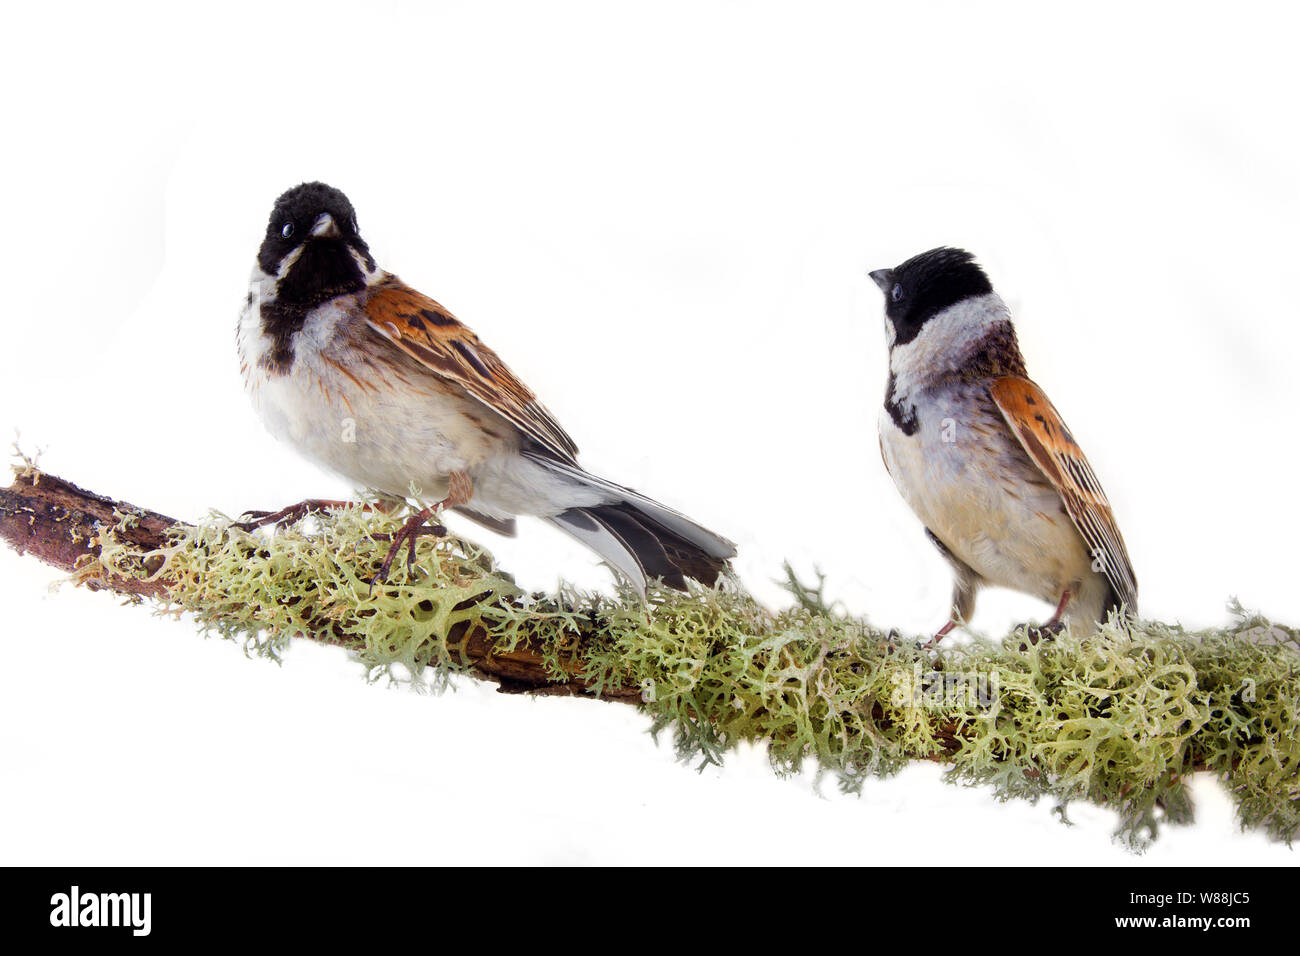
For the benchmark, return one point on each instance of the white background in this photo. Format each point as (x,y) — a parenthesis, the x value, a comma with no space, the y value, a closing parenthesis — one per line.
(662,216)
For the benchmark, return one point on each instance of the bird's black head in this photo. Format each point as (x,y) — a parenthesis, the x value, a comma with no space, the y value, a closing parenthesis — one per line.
(925,285)
(315,226)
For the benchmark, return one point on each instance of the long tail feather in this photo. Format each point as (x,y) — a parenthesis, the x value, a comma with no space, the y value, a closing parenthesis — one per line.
(636,535)
(640,547)
(586,529)
(660,515)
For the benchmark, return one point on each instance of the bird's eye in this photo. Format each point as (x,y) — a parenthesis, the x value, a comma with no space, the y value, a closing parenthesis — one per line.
(287,231)
(896,293)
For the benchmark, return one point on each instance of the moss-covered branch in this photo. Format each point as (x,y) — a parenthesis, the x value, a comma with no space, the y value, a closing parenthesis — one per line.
(1120,719)
(65,526)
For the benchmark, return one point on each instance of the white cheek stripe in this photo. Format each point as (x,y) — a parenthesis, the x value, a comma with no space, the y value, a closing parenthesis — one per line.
(372,275)
(287,262)
(296,253)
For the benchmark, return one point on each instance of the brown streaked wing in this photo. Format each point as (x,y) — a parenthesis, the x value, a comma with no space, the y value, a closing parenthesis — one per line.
(1038,427)
(431,335)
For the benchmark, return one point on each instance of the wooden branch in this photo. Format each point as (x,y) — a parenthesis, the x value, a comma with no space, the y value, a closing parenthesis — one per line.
(56,521)
(60,524)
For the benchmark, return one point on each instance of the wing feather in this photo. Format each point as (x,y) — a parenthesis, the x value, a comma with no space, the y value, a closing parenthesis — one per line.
(1040,430)
(431,335)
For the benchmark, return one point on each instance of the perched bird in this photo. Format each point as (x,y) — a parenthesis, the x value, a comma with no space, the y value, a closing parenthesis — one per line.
(982,456)
(379,383)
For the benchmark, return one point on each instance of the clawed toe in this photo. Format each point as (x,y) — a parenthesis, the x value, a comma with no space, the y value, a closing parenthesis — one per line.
(258,519)
(408,535)
(289,515)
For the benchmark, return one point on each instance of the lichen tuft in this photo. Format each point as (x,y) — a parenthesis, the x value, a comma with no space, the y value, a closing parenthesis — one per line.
(1120,718)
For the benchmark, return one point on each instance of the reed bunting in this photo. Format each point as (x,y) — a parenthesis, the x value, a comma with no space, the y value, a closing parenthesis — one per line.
(375,381)
(983,458)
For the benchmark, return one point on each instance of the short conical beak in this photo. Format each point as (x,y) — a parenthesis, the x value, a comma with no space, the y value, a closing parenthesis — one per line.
(326,227)
(884,278)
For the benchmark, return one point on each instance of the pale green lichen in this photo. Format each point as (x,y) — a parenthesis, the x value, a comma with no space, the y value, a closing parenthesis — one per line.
(1120,718)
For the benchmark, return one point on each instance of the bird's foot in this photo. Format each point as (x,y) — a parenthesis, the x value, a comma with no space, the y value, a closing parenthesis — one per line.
(1046,632)
(289,515)
(1034,633)
(408,534)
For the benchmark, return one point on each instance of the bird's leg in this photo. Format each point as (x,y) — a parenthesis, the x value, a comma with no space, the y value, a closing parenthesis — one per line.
(939,634)
(260,519)
(1055,623)
(963,602)
(460,488)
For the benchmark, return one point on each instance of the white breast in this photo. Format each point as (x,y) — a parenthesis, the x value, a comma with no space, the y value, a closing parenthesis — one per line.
(967,479)
(342,409)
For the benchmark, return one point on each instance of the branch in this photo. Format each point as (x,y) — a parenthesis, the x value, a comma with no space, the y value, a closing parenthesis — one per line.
(60,524)
(1120,718)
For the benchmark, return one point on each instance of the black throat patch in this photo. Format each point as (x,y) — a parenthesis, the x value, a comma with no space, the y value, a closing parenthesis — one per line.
(325,270)
(903,415)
